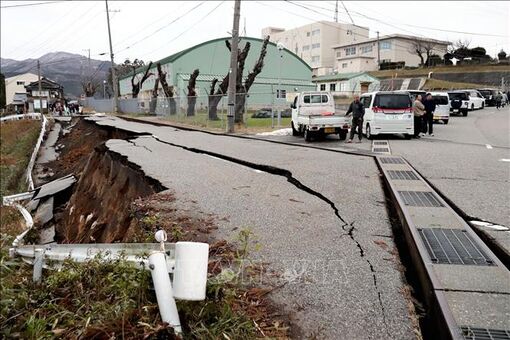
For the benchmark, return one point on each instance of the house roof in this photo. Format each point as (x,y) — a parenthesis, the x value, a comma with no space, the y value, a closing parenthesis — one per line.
(342,76)
(175,56)
(393,36)
(45,84)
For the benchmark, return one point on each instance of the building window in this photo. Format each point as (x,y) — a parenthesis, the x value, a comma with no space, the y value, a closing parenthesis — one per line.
(366,49)
(316,32)
(344,65)
(323,87)
(350,50)
(332,87)
(344,87)
(385,45)
(307,34)
(281,94)
(316,45)
(20,83)
(306,47)
(316,59)
(338,54)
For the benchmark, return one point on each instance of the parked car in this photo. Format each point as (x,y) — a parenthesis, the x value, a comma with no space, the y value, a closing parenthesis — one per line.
(262,113)
(476,100)
(388,112)
(442,111)
(459,102)
(490,96)
(313,113)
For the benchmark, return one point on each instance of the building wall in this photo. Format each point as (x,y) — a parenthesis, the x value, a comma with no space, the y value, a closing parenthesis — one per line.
(348,86)
(213,59)
(313,42)
(393,50)
(12,86)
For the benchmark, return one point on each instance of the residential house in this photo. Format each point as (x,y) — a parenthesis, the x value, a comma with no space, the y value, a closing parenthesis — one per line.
(15,92)
(347,84)
(51,92)
(362,55)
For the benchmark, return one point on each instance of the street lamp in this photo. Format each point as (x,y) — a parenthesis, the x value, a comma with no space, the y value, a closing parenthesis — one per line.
(280,47)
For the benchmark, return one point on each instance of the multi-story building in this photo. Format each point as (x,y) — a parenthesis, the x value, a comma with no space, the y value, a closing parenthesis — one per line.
(313,43)
(361,56)
(16,85)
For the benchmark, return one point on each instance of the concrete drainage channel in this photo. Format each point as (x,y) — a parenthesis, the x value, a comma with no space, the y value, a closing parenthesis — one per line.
(463,284)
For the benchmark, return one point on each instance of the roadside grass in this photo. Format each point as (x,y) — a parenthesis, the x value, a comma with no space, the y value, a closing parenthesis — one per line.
(433,84)
(201,119)
(17,140)
(439,69)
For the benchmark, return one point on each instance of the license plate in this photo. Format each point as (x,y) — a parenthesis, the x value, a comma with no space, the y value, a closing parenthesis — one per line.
(329,130)
(392,117)
(455,110)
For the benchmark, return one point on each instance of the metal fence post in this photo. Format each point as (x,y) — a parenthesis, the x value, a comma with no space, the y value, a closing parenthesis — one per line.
(38,265)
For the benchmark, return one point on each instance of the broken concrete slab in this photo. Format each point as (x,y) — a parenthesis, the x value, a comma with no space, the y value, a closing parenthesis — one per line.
(47,235)
(53,187)
(32,205)
(44,213)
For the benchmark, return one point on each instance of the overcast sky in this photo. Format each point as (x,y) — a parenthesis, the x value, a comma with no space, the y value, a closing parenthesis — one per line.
(151,30)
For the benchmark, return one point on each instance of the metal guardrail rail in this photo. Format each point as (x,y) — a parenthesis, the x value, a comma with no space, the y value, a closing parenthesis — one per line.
(466,287)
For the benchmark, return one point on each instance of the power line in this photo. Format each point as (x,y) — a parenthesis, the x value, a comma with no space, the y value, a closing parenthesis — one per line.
(34,4)
(186,30)
(161,28)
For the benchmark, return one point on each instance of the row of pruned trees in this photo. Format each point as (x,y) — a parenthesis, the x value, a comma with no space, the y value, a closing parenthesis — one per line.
(216,92)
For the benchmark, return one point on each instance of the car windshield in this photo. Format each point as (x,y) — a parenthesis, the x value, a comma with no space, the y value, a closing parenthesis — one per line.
(392,101)
(458,96)
(440,100)
(485,93)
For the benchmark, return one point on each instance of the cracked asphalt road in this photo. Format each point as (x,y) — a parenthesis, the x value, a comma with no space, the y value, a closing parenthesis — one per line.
(343,282)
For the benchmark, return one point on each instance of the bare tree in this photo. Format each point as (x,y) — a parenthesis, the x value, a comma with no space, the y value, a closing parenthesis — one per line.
(154,97)
(192,94)
(90,87)
(423,49)
(167,90)
(250,79)
(136,86)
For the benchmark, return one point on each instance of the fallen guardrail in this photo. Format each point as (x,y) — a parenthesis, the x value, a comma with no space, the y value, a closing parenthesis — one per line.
(187,261)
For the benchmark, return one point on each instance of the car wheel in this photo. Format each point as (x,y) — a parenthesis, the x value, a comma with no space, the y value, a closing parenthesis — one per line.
(445,121)
(342,134)
(465,113)
(307,135)
(368,132)
(294,131)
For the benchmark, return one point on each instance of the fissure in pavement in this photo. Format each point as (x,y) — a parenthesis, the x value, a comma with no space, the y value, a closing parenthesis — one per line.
(291,179)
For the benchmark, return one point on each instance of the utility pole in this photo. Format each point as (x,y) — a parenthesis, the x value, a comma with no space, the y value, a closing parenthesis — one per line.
(40,87)
(114,74)
(336,11)
(232,79)
(378,53)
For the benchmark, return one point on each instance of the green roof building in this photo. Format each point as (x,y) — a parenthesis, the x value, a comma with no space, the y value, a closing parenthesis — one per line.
(212,58)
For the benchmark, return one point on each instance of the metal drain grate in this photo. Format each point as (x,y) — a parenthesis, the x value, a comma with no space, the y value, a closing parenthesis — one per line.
(453,246)
(474,333)
(420,199)
(402,174)
(380,143)
(381,150)
(392,160)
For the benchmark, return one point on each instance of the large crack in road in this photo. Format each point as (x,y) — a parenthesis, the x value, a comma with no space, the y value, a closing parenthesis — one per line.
(294,181)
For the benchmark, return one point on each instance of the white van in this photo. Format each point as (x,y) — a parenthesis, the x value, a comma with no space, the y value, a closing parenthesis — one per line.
(314,114)
(442,111)
(387,113)
(476,100)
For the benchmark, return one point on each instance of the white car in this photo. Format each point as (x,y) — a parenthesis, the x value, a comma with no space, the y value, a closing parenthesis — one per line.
(387,112)
(476,100)
(442,111)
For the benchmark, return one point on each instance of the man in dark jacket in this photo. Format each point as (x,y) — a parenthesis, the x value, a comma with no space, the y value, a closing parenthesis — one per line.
(358,111)
(430,107)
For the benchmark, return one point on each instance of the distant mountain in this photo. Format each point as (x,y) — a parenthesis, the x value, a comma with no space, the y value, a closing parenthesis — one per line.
(67,69)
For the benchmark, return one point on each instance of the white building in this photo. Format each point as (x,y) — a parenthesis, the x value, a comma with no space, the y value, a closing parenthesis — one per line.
(313,43)
(347,84)
(16,85)
(361,56)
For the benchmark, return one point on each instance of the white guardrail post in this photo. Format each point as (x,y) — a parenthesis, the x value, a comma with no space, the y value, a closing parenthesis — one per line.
(186,260)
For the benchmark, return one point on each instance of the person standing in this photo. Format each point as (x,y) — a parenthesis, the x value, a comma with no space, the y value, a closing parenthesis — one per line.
(418,112)
(499,97)
(430,107)
(358,111)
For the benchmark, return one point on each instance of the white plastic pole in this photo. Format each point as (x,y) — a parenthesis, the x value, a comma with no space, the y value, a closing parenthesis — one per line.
(164,293)
(190,274)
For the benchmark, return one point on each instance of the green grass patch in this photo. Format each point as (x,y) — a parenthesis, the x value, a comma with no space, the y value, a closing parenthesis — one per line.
(17,141)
